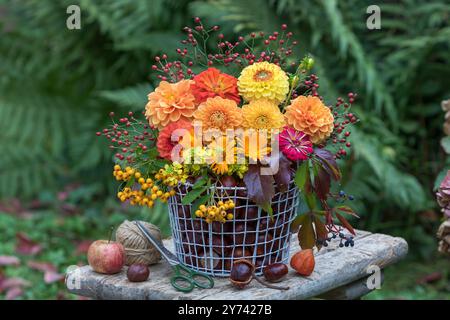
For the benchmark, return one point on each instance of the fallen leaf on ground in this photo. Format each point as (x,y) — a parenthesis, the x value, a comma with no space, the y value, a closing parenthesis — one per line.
(42,266)
(83,246)
(26,246)
(51,276)
(9,261)
(13,293)
(9,283)
(430,278)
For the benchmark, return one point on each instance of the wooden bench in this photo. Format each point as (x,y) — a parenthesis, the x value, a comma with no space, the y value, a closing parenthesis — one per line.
(340,273)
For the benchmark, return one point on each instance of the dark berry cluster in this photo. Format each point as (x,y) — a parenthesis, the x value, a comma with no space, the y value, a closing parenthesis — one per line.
(275,47)
(129,136)
(344,240)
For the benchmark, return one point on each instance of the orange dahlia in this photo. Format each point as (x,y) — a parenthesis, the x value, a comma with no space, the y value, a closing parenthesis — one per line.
(170,102)
(219,113)
(166,142)
(212,83)
(311,116)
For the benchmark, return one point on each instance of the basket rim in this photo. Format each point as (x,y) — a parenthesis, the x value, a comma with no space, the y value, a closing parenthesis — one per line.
(189,184)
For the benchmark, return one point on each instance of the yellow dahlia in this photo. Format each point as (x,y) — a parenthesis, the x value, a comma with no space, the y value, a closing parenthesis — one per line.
(170,102)
(262,114)
(253,144)
(311,116)
(263,80)
(219,113)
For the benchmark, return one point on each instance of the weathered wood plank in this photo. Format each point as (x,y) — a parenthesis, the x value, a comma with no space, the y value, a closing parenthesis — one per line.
(334,268)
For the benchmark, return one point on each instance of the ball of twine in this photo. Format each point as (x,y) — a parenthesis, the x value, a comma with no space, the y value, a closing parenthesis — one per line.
(137,248)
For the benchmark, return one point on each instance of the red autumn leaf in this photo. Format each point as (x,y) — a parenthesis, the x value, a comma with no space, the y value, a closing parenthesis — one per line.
(13,293)
(51,276)
(9,283)
(322,183)
(83,246)
(9,261)
(347,210)
(345,223)
(41,266)
(26,246)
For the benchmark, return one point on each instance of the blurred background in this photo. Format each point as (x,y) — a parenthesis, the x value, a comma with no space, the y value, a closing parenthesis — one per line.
(57,87)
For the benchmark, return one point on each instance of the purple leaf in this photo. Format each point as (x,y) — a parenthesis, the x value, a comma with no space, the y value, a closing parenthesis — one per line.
(328,163)
(26,246)
(9,261)
(283,175)
(260,188)
(322,182)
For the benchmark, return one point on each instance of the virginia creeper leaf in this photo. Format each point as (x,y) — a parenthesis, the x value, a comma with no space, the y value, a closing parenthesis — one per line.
(306,236)
(345,223)
(329,164)
(348,210)
(283,175)
(322,182)
(260,188)
(192,195)
(302,175)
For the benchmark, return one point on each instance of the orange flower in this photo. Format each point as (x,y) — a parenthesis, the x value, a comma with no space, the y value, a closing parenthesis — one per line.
(311,116)
(170,102)
(212,83)
(165,143)
(219,113)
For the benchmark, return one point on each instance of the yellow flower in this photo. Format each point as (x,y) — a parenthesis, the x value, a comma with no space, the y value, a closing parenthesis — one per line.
(220,168)
(262,114)
(263,80)
(311,116)
(219,113)
(254,145)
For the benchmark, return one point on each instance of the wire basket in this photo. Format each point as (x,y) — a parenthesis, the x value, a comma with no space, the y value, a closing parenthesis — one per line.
(252,234)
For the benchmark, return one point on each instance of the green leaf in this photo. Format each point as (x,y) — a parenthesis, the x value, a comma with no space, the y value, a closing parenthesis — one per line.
(306,236)
(266,206)
(192,195)
(198,202)
(302,175)
(321,229)
(202,181)
(445,143)
(298,221)
(310,200)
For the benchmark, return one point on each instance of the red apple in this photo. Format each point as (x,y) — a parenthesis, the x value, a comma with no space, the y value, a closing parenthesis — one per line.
(106,257)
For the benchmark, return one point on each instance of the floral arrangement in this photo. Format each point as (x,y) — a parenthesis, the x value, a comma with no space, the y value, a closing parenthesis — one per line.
(247,115)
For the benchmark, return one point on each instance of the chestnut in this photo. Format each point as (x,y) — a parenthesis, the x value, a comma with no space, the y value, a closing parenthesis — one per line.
(138,272)
(221,244)
(251,214)
(275,272)
(241,253)
(241,273)
(228,182)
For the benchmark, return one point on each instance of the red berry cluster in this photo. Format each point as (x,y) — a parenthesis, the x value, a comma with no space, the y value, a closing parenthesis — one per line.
(312,85)
(129,136)
(343,118)
(276,47)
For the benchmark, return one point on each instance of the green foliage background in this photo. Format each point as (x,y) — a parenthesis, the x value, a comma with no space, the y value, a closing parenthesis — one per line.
(58,85)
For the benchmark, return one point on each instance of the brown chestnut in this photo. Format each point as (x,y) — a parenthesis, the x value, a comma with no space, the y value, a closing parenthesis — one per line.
(275,272)
(241,273)
(228,181)
(138,272)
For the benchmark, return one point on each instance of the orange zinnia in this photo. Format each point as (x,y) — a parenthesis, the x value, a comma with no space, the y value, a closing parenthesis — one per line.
(219,113)
(170,102)
(212,83)
(311,116)
(166,142)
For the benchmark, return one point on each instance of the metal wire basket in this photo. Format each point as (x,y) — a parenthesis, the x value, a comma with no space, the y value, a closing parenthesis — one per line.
(252,234)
